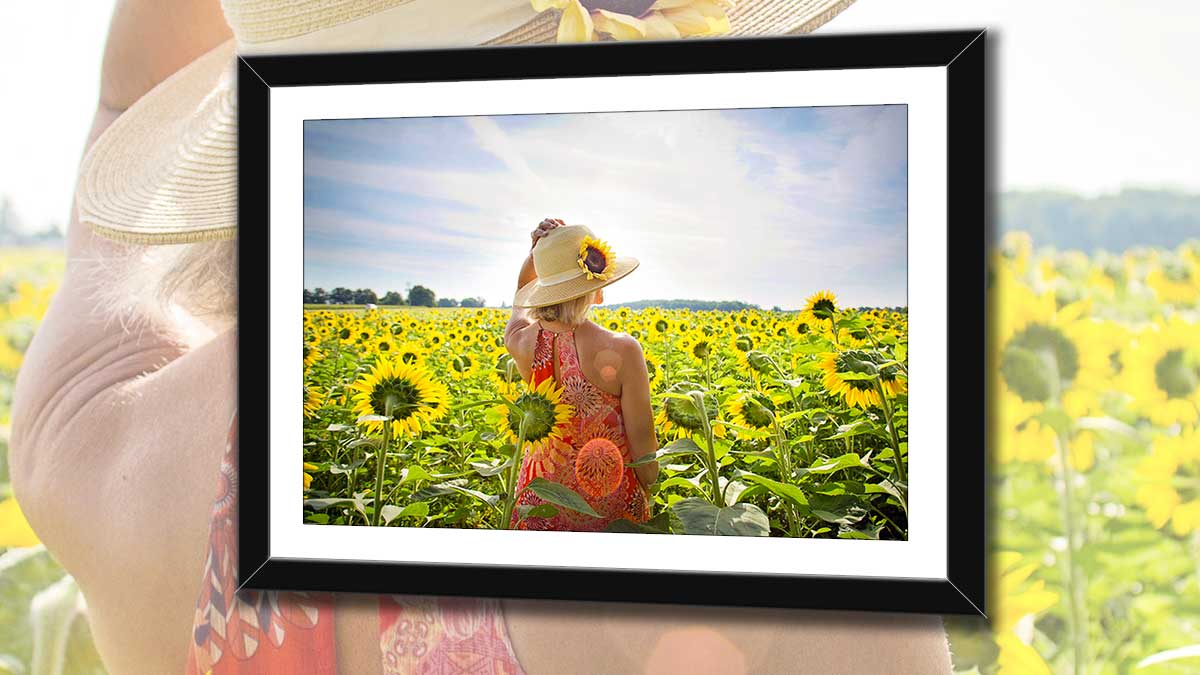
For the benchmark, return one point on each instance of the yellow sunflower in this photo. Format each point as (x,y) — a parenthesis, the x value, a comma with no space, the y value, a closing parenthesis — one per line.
(589,20)
(411,353)
(1175,280)
(308,479)
(595,259)
(681,419)
(1018,600)
(463,365)
(312,354)
(860,392)
(1173,463)
(545,415)
(1161,371)
(821,305)
(417,400)
(753,410)
(312,401)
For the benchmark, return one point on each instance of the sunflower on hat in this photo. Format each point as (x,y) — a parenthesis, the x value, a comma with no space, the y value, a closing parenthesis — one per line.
(590,20)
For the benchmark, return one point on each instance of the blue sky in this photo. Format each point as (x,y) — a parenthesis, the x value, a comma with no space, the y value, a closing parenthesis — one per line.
(765,205)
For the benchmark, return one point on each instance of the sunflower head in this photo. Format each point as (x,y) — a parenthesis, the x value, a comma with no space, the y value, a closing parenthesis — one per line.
(411,394)
(599,466)
(543,412)
(855,363)
(753,410)
(822,304)
(595,259)
(684,415)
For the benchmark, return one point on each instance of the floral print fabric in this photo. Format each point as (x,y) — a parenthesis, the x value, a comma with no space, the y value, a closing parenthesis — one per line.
(596,414)
(261,632)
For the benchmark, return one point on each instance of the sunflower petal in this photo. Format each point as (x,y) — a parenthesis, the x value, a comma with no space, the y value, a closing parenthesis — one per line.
(620,26)
(575,24)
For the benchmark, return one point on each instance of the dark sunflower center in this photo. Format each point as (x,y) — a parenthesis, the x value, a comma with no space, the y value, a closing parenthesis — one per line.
(403,394)
(660,326)
(408,357)
(1030,358)
(594,260)
(1177,374)
(651,370)
(344,333)
(701,349)
(802,328)
(307,351)
(743,343)
(539,421)
(462,363)
(630,7)
(385,346)
(397,329)
(824,307)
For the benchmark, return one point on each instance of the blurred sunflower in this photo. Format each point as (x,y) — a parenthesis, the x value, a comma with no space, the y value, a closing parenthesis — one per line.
(308,479)
(1039,347)
(1175,280)
(588,20)
(312,354)
(1162,372)
(654,368)
(416,398)
(544,412)
(462,366)
(1012,624)
(1020,437)
(1173,463)
(855,362)
(312,401)
(411,353)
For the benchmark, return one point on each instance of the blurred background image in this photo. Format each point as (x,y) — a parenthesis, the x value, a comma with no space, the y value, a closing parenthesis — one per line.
(1094,363)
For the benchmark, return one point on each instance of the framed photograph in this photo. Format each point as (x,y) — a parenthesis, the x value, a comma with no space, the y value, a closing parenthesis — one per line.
(691,322)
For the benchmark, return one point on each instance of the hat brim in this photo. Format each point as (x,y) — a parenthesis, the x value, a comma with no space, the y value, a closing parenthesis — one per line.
(534,294)
(165,172)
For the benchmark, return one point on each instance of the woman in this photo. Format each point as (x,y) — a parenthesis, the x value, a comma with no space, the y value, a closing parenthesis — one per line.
(124,438)
(603,375)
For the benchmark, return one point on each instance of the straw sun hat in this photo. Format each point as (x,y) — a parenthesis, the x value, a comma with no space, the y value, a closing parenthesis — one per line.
(165,172)
(571,262)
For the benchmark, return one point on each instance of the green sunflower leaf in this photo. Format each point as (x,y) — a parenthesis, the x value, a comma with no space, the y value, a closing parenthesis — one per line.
(559,494)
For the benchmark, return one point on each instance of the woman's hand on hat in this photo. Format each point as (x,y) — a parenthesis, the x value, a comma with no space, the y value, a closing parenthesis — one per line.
(544,228)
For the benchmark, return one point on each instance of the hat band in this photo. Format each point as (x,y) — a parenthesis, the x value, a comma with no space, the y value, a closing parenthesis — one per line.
(561,277)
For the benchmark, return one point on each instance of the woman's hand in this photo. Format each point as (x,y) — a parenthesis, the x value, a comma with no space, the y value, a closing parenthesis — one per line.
(543,229)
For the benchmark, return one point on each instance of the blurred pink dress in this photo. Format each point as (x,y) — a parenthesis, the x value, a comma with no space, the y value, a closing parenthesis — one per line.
(291,632)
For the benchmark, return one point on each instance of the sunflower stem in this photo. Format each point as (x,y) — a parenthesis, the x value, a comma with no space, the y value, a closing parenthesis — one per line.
(887,414)
(1076,585)
(514,472)
(381,462)
(717,498)
(785,469)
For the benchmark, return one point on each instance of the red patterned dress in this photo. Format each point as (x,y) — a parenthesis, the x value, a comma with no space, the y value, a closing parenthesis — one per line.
(255,632)
(597,414)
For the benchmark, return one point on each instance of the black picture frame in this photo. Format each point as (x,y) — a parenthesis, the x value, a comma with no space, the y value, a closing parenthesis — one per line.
(962,53)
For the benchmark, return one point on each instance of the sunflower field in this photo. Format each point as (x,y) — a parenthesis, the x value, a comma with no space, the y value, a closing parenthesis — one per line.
(1094,402)
(770,423)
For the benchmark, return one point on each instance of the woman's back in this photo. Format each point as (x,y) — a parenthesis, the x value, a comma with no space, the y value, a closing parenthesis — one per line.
(575,460)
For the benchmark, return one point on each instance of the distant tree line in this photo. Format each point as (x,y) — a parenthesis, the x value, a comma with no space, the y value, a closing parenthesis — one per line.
(694,305)
(417,296)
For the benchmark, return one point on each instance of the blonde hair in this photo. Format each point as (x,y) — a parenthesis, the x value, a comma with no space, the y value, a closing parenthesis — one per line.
(138,284)
(571,312)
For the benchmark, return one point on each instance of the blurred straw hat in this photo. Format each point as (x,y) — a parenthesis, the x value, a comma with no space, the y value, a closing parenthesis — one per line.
(165,172)
(571,262)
